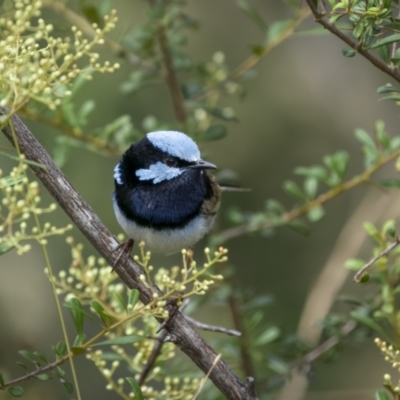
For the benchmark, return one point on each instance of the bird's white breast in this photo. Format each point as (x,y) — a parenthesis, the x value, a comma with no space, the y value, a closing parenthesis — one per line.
(166,241)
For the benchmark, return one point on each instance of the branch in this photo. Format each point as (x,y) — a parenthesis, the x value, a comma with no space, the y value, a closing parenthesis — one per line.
(385,252)
(354,45)
(185,337)
(172,80)
(305,208)
(212,328)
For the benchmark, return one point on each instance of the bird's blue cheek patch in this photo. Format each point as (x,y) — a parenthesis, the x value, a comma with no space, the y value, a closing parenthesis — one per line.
(158,172)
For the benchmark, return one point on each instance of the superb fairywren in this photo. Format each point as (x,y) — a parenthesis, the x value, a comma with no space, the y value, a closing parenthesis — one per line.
(164,194)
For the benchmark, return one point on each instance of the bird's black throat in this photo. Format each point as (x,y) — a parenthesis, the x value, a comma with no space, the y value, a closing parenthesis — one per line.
(166,205)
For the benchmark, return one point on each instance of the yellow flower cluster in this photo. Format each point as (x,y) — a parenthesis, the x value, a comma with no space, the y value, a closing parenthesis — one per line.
(20,204)
(392,356)
(35,65)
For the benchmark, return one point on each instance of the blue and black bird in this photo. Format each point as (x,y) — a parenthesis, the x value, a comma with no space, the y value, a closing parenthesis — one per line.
(164,194)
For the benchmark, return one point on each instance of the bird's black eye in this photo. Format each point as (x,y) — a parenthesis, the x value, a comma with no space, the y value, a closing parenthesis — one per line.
(171,162)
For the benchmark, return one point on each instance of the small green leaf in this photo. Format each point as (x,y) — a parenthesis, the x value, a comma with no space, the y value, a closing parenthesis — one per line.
(214,132)
(390,183)
(120,300)
(381,394)
(299,227)
(395,143)
(315,214)
(348,52)
(16,391)
(77,314)
(135,389)
(364,138)
(120,340)
(388,89)
(362,319)
(60,349)
(354,264)
(253,14)
(389,228)
(29,162)
(277,365)
(5,247)
(41,356)
(133,297)
(68,387)
(43,377)
(79,340)
(292,188)
(22,365)
(1,379)
(268,336)
(358,30)
(27,356)
(277,29)
(387,40)
(384,52)
(226,114)
(310,187)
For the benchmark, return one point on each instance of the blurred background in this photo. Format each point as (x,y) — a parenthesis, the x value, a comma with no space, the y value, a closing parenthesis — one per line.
(304,101)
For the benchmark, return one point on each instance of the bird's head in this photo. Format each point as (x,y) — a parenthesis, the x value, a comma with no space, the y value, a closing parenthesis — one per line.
(159,157)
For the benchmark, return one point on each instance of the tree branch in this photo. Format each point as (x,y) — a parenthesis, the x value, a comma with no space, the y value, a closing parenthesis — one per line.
(185,337)
(305,208)
(354,45)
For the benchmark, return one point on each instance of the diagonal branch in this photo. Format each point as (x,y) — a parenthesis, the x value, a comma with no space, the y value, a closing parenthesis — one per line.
(354,45)
(185,337)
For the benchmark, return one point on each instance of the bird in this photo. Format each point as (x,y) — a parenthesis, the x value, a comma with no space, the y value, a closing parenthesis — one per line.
(164,193)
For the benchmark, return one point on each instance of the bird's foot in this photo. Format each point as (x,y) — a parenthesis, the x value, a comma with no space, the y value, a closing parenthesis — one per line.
(125,249)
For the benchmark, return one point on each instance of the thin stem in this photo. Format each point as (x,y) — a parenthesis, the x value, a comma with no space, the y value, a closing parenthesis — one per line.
(212,328)
(384,253)
(171,78)
(254,59)
(305,208)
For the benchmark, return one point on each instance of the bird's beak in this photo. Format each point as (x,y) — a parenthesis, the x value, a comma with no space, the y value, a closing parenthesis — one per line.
(201,164)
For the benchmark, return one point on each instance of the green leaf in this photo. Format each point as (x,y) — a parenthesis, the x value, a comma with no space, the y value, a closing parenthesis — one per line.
(389,228)
(362,319)
(310,187)
(384,52)
(253,14)
(277,365)
(390,183)
(315,214)
(268,336)
(16,391)
(1,379)
(315,171)
(16,158)
(133,297)
(91,14)
(293,189)
(107,318)
(338,163)
(120,340)
(387,89)
(120,300)
(348,52)
(5,247)
(299,226)
(358,30)
(27,356)
(60,349)
(395,143)
(43,377)
(79,309)
(277,29)
(76,314)
(364,138)
(87,107)
(214,132)
(381,394)
(68,387)
(372,231)
(226,114)
(22,365)
(387,40)
(354,264)
(135,389)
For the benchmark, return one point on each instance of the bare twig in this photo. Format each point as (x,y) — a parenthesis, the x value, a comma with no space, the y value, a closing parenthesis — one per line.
(211,328)
(288,216)
(384,253)
(153,357)
(245,358)
(172,80)
(354,45)
(186,338)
